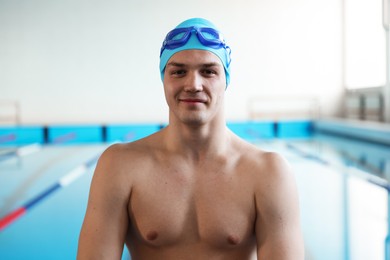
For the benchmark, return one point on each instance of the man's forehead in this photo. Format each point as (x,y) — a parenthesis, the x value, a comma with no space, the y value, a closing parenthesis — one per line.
(194,57)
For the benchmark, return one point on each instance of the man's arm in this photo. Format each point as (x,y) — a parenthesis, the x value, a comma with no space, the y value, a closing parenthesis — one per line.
(278,229)
(106,221)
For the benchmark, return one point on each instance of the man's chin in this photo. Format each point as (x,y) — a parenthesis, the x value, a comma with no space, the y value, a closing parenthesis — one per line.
(194,121)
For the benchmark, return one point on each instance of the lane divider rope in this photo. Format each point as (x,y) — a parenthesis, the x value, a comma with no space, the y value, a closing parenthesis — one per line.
(376,180)
(22,151)
(31,148)
(63,182)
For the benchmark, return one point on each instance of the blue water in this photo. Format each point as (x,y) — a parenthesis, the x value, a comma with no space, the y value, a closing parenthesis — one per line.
(343,216)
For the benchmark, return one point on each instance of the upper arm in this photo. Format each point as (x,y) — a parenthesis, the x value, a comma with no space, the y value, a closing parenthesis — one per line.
(106,220)
(278,230)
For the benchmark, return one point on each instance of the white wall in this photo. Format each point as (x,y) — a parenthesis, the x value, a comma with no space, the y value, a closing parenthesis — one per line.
(88,61)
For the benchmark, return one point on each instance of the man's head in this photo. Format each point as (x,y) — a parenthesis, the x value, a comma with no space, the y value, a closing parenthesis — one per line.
(195,34)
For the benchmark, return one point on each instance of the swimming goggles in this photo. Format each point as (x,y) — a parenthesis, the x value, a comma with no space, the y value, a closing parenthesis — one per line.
(208,37)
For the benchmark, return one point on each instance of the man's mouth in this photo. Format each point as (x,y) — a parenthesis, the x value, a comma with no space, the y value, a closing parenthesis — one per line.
(192,100)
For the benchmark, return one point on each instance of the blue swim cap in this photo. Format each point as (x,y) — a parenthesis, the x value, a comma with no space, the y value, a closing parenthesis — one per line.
(194,44)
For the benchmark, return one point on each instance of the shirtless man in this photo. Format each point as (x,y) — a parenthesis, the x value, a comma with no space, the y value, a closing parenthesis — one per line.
(193,190)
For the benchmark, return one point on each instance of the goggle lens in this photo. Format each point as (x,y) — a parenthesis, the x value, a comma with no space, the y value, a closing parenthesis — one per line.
(180,36)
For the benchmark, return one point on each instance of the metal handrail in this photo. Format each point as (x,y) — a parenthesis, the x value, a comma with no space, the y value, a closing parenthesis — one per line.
(14,117)
(274,107)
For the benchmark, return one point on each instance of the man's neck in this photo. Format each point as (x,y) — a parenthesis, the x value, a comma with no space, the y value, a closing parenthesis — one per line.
(197,142)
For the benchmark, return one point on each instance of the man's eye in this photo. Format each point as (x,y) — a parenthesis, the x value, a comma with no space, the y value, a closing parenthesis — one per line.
(209,72)
(178,72)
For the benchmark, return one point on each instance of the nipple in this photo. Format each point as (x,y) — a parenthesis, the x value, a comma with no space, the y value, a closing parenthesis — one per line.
(233,240)
(152,235)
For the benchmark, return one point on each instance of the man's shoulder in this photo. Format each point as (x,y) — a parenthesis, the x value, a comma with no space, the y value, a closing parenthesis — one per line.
(272,174)
(253,153)
(143,146)
(122,163)
(120,155)
(263,163)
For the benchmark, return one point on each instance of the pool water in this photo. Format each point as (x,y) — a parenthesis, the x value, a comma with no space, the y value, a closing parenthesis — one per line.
(341,184)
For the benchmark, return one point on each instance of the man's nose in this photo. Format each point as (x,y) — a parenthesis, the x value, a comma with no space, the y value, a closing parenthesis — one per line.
(194,82)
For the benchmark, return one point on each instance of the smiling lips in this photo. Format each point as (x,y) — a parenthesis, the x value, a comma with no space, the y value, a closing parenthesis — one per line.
(192,100)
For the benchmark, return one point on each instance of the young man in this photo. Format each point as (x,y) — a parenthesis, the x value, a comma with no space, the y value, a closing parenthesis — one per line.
(193,190)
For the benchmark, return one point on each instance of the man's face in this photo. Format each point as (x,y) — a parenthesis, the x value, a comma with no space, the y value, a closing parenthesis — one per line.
(194,85)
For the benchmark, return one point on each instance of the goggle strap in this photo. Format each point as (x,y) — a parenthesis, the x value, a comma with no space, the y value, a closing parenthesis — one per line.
(217,43)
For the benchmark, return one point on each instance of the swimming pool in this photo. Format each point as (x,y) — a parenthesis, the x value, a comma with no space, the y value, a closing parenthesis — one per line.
(344,210)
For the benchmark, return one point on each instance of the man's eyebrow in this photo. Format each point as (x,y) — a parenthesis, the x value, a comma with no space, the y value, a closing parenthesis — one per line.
(205,65)
(175,64)
(211,64)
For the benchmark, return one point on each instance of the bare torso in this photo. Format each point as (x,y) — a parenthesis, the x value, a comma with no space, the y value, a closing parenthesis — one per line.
(236,204)
(183,210)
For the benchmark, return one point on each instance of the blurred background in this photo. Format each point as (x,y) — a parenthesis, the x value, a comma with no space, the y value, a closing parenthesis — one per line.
(310,79)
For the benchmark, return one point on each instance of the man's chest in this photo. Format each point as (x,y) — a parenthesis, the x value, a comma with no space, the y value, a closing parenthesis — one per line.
(216,210)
